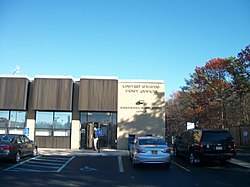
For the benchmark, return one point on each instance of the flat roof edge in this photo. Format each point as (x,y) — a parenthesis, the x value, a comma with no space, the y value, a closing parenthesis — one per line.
(53,77)
(141,81)
(100,77)
(14,76)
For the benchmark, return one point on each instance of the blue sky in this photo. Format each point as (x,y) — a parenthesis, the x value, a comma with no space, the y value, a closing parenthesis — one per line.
(129,39)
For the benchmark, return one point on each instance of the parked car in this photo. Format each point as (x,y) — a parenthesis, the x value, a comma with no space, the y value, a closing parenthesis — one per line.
(14,146)
(201,144)
(149,150)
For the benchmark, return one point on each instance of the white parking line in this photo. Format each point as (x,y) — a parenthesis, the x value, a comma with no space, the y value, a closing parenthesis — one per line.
(44,163)
(14,166)
(182,167)
(66,163)
(38,162)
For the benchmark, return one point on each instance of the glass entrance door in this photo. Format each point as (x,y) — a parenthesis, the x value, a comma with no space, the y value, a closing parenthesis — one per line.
(104,120)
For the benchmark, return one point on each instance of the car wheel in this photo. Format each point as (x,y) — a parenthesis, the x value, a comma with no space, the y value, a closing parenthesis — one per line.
(17,157)
(34,152)
(191,158)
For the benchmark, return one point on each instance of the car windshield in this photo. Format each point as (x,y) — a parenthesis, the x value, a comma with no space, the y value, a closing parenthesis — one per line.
(151,141)
(6,139)
(217,136)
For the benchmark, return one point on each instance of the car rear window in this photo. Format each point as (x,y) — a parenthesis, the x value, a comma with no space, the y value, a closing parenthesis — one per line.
(6,139)
(216,136)
(151,141)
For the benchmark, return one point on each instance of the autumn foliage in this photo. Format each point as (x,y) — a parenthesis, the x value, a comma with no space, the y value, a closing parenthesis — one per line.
(217,95)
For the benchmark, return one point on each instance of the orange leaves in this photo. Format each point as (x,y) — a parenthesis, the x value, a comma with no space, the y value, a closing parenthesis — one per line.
(217,64)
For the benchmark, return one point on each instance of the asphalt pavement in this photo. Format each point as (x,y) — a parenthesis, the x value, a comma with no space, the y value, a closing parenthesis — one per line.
(242,157)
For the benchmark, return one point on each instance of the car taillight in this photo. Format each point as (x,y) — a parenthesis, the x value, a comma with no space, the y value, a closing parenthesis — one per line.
(138,150)
(166,151)
(6,147)
(201,146)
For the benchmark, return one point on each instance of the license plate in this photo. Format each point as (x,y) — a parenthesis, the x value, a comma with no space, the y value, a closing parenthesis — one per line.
(218,147)
(154,152)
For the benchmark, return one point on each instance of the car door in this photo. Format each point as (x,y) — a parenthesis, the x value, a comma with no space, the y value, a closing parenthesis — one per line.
(24,146)
(185,142)
(29,145)
(180,142)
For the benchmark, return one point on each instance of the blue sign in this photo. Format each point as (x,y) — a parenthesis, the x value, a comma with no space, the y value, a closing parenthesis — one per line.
(26,131)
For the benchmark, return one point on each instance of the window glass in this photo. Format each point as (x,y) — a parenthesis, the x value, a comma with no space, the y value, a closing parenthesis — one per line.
(114,119)
(84,117)
(4,138)
(103,117)
(17,119)
(62,120)
(53,123)
(43,132)
(3,131)
(16,131)
(4,118)
(62,133)
(26,139)
(151,141)
(19,140)
(44,120)
(217,136)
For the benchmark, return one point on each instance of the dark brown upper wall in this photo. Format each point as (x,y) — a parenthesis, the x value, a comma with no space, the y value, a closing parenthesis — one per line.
(13,93)
(52,94)
(98,95)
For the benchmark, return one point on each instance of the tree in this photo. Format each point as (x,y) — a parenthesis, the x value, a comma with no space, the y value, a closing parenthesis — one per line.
(239,71)
(216,94)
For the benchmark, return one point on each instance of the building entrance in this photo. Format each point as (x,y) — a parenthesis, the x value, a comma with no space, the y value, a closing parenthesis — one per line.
(104,120)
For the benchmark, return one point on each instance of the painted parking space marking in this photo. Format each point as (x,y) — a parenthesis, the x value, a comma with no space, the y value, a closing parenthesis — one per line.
(180,166)
(41,164)
(87,168)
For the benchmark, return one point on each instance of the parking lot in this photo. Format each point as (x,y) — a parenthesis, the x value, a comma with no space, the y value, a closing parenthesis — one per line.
(41,164)
(116,170)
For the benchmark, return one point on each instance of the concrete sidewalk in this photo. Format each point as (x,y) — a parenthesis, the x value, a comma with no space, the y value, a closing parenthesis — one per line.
(242,157)
(240,163)
(82,152)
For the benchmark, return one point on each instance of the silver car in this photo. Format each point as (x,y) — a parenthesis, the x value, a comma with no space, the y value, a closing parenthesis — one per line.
(150,150)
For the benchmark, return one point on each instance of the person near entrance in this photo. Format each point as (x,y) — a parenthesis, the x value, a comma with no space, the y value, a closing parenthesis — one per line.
(97,135)
(95,138)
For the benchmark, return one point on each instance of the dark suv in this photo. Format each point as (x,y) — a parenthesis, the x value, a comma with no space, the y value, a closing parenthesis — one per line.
(200,144)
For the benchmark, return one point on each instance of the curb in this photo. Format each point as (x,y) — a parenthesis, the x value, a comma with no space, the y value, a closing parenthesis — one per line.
(239,163)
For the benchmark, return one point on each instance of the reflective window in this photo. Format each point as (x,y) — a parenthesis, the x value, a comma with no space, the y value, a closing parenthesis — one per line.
(103,117)
(62,120)
(12,122)
(44,120)
(4,118)
(47,123)
(17,119)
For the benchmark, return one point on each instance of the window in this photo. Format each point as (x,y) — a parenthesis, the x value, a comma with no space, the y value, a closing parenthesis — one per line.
(17,119)
(12,122)
(53,123)
(100,117)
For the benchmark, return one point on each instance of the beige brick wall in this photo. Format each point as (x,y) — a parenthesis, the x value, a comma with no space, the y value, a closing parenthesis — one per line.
(141,110)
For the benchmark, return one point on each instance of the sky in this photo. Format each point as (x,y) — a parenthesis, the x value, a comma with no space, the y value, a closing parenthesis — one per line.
(129,39)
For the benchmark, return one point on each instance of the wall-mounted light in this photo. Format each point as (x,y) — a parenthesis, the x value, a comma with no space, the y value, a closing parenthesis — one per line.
(140,102)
